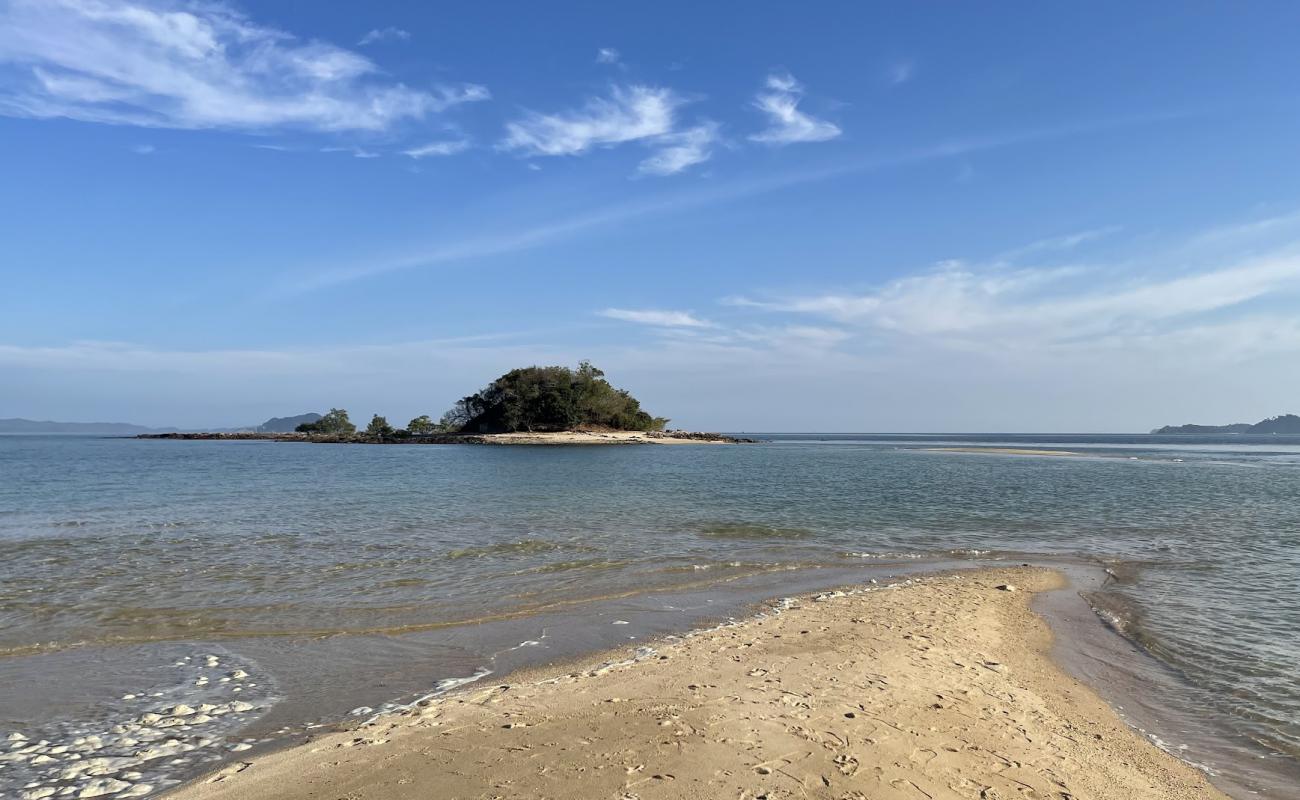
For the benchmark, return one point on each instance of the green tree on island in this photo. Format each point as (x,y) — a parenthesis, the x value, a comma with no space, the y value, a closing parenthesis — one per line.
(550,399)
(379,427)
(421,426)
(335,422)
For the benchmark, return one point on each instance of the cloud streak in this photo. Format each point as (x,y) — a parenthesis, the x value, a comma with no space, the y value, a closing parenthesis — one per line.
(522,237)
(201,65)
(389,34)
(628,114)
(1075,308)
(786,123)
(680,151)
(444,148)
(657,318)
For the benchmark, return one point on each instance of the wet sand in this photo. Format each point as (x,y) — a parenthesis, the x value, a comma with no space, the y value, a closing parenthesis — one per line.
(940,687)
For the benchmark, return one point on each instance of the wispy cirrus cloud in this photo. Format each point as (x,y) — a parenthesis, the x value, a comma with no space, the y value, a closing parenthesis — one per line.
(523,237)
(443,148)
(643,114)
(1076,307)
(628,114)
(389,34)
(786,123)
(900,72)
(356,152)
(607,55)
(678,151)
(657,318)
(198,65)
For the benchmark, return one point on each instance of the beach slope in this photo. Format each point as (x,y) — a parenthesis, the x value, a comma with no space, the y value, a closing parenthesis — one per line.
(937,688)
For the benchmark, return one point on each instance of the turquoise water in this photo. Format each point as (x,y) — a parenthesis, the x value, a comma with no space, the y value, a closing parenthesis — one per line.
(166,555)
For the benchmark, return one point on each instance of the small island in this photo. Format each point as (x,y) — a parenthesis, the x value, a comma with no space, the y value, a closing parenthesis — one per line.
(1282,424)
(532,405)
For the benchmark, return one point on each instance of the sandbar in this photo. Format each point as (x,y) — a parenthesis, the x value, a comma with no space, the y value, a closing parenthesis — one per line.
(937,687)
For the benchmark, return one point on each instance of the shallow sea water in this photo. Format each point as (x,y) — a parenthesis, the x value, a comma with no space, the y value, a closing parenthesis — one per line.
(339,578)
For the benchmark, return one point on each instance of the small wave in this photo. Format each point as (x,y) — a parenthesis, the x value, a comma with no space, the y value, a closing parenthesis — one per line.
(521,547)
(678,568)
(566,566)
(440,688)
(887,556)
(744,530)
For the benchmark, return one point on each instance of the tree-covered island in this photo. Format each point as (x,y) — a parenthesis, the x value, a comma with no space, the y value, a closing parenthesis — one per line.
(532,405)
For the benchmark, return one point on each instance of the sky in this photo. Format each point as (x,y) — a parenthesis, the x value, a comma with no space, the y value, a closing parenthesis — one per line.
(845,216)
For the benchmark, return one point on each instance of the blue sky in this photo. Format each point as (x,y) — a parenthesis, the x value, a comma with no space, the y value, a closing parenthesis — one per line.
(852,216)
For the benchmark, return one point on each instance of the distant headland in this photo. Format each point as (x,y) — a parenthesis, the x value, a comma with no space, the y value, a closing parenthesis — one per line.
(532,405)
(1286,423)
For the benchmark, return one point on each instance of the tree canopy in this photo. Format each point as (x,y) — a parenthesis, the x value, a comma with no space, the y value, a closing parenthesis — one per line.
(336,421)
(421,426)
(379,427)
(549,399)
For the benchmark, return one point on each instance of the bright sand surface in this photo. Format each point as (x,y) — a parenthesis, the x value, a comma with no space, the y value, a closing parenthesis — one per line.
(592,437)
(939,687)
(1004,451)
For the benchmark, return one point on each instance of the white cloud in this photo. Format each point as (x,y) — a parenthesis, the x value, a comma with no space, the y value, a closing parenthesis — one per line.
(900,72)
(143,149)
(787,124)
(389,34)
(445,148)
(1071,308)
(607,55)
(356,152)
(629,114)
(1067,241)
(200,65)
(678,151)
(657,318)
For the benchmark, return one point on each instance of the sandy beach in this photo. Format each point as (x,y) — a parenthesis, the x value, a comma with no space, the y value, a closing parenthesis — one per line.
(939,687)
(604,437)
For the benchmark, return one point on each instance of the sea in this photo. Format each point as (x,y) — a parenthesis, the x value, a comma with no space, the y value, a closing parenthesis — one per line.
(169,606)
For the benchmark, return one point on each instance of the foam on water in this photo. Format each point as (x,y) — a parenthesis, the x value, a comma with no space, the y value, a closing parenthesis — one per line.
(147,739)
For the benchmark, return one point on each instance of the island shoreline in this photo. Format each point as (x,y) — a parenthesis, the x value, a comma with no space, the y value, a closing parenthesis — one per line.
(537,438)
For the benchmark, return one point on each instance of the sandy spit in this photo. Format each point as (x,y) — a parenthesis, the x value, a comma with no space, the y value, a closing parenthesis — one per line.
(937,688)
(597,437)
(1003,451)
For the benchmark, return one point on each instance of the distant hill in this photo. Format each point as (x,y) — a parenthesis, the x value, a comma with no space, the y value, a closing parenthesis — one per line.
(1286,423)
(285,424)
(17,425)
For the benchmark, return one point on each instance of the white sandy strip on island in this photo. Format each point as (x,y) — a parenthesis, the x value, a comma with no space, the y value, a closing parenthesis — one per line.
(938,688)
(593,437)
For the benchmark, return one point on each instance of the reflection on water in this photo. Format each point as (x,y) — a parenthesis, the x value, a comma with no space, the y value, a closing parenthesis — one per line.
(118,543)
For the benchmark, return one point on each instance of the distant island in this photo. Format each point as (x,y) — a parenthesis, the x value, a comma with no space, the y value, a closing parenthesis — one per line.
(287,424)
(532,405)
(19,425)
(1286,423)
